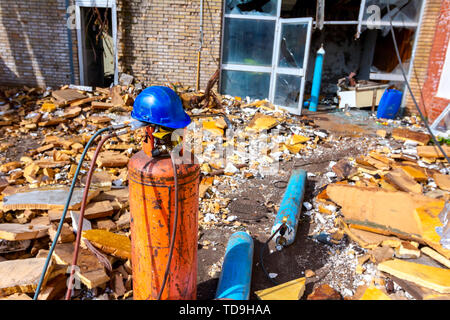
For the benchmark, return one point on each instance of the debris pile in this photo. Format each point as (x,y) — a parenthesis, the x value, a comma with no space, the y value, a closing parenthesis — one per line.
(378,213)
(391,205)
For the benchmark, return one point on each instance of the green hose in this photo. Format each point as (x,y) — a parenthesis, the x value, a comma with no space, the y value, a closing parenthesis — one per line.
(52,248)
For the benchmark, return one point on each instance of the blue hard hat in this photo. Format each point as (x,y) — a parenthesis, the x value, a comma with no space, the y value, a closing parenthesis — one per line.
(160,105)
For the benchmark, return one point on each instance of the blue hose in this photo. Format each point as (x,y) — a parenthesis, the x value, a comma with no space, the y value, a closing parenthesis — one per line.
(61,222)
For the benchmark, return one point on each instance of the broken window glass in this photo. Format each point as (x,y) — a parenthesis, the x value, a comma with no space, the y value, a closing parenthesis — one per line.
(292,46)
(287,90)
(378,17)
(242,84)
(248,42)
(253,7)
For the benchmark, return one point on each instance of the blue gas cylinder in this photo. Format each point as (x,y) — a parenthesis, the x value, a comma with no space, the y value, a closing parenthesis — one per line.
(389,104)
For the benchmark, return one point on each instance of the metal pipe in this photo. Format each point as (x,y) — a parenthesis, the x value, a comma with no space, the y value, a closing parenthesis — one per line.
(69,40)
(200,46)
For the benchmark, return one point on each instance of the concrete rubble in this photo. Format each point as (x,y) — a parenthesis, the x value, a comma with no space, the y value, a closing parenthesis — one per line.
(374,203)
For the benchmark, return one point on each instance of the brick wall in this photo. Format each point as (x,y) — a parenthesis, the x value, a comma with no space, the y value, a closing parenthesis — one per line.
(33,43)
(158,41)
(432,105)
(423,50)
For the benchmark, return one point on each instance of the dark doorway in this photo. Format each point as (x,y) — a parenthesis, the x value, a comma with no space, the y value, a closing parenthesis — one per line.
(98,48)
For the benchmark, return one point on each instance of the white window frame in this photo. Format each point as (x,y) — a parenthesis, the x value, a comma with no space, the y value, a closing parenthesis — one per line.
(99,4)
(274,70)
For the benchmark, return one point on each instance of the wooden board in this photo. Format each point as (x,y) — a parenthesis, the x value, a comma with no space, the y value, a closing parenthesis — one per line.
(68,95)
(436,256)
(429,277)
(405,135)
(45,199)
(442,181)
(21,275)
(432,151)
(17,296)
(114,244)
(91,272)
(93,210)
(17,231)
(292,290)
(96,105)
(120,195)
(373,293)
(402,181)
(110,159)
(54,288)
(389,211)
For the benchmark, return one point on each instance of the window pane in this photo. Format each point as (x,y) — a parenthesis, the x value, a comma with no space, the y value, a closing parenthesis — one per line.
(253,7)
(287,90)
(242,84)
(292,46)
(248,42)
(402,11)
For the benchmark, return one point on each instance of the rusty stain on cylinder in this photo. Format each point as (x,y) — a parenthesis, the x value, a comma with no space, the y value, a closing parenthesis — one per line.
(152,208)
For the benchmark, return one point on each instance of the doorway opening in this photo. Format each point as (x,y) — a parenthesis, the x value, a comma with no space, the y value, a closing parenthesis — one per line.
(97,46)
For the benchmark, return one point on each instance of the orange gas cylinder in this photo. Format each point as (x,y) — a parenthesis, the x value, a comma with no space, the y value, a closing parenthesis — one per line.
(152,207)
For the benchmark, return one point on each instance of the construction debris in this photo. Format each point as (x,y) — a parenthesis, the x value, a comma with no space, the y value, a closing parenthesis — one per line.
(375,199)
(22,275)
(292,290)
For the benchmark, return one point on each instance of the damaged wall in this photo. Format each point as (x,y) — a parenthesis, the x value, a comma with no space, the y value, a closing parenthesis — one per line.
(423,52)
(33,43)
(157,41)
(430,102)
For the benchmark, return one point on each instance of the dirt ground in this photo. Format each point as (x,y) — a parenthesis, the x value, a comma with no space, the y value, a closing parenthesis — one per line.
(248,205)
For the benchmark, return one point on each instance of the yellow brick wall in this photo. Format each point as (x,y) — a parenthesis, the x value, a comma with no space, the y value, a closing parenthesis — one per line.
(421,59)
(158,40)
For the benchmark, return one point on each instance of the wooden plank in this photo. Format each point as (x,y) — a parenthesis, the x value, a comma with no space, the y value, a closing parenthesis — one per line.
(91,272)
(21,275)
(436,256)
(17,231)
(373,293)
(54,289)
(291,290)
(390,211)
(17,296)
(68,95)
(46,198)
(405,135)
(86,100)
(110,159)
(442,181)
(97,105)
(402,181)
(432,151)
(114,244)
(419,292)
(437,279)
(97,210)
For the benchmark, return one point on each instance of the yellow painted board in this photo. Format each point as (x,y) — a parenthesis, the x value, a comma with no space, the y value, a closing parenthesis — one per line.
(292,290)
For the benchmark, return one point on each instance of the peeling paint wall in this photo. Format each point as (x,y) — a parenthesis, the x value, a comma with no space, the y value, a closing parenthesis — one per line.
(430,102)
